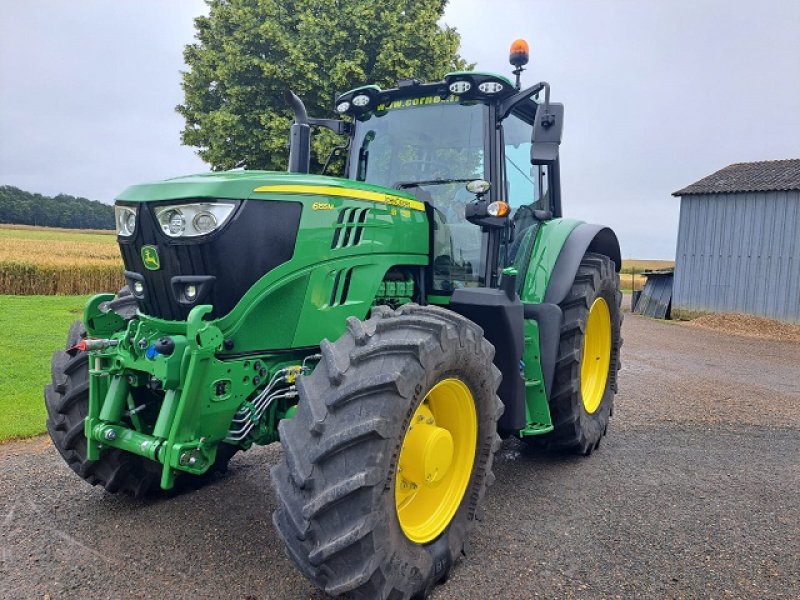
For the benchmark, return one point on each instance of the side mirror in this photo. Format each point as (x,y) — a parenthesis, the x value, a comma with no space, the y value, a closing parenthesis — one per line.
(547,129)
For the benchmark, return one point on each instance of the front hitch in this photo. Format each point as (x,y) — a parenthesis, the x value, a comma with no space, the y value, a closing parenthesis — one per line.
(180,372)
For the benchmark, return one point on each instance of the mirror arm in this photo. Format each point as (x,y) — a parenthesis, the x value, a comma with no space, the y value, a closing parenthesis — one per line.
(548,119)
(337,126)
(506,106)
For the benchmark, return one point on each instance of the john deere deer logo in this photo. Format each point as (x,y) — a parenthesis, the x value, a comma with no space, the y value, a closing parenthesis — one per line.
(150,258)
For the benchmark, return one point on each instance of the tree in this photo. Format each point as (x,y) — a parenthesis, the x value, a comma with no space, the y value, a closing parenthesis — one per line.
(24,208)
(249,51)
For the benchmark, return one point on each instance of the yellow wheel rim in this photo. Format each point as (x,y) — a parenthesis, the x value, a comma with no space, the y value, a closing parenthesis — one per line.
(596,355)
(436,461)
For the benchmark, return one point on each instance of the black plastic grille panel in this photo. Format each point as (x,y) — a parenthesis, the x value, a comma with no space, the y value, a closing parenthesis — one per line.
(260,236)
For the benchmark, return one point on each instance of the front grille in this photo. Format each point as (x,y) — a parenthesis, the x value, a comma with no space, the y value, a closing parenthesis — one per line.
(260,236)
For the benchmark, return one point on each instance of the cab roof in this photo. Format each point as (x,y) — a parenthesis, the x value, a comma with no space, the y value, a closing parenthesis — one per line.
(465,85)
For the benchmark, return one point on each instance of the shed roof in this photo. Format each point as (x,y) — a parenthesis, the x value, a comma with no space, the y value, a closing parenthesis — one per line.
(763,176)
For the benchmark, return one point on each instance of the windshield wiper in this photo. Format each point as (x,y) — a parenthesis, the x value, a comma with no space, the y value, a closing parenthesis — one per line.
(408,184)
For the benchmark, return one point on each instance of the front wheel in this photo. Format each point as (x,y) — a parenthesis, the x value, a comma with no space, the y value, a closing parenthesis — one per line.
(388,457)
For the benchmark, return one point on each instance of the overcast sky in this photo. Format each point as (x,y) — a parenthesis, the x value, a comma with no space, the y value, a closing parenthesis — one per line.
(658,94)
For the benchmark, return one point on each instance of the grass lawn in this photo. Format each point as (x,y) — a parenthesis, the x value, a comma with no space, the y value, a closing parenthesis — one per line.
(31,329)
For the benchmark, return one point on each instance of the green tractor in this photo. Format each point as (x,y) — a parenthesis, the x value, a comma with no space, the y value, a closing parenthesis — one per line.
(388,327)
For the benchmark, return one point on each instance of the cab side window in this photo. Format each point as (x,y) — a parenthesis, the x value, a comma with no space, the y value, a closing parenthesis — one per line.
(526,185)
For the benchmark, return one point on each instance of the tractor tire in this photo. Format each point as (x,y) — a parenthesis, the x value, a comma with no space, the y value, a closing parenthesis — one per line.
(582,397)
(67,403)
(350,521)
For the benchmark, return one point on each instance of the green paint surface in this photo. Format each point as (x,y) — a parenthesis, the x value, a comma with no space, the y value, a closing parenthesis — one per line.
(550,239)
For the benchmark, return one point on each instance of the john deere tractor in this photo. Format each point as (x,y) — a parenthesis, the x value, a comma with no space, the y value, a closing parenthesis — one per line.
(388,327)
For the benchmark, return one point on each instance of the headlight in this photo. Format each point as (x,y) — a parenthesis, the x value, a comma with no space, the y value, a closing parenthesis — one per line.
(204,222)
(125,216)
(191,220)
(361,100)
(342,107)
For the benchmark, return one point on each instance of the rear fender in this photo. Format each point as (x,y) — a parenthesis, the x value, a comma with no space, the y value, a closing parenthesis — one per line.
(555,258)
(584,238)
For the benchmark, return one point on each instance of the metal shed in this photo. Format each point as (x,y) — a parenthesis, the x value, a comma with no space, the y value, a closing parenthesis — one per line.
(655,300)
(739,242)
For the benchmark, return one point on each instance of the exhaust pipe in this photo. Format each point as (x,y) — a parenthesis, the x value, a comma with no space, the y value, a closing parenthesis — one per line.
(299,136)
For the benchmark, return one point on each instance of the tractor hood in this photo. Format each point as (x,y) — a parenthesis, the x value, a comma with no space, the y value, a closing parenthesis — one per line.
(291,243)
(240,185)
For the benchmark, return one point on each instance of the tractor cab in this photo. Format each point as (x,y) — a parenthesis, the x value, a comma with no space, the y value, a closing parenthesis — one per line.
(464,147)
(432,147)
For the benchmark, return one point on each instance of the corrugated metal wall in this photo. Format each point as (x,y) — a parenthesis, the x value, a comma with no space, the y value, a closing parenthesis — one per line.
(739,253)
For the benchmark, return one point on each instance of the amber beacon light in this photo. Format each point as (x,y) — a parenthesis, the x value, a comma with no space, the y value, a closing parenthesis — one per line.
(518,56)
(519,53)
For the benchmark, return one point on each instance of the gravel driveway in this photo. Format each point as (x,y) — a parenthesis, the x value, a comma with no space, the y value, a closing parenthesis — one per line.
(695,493)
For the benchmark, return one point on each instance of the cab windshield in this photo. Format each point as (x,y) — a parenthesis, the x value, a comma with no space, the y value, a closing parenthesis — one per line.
(431,148)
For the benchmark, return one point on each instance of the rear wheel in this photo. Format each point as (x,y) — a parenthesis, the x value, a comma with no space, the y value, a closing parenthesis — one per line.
(388,457)
(585,383)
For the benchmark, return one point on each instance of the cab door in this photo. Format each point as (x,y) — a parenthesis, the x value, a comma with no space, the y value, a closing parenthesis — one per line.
(526,186)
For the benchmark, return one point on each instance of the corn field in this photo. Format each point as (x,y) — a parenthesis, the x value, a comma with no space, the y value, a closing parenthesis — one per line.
(42,261)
